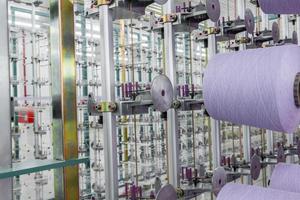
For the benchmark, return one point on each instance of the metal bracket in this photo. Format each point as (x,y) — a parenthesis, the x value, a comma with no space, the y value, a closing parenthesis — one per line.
(103,2)
(169,18)
(190,193)
(230,28)
(106,107)
(134,107)
(211,31)
(176,104)
(96,108)
(263,36)
(13,103)
(188,104)
(169,192)
(243,40)
(180,192)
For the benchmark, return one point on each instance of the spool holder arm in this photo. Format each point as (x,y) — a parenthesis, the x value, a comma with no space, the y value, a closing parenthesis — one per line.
(293,149)
(128,107)
(190,16)
(191,193)
(262,37)
(230,28)
(121,7)
(198,14)
(281,153)
(189,104)
(171,193)
(218,178)
(237,168)
(160,96)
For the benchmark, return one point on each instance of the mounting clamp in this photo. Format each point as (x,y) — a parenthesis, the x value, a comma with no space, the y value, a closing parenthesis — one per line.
(103,2)
(211,31)
(180,192)
(243,40)
(106,107)
(176,104)
(169,18)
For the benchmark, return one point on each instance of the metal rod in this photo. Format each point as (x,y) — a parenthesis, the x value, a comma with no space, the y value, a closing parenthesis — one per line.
(108,94)
(298,28)
(5,117)
(290,142)
(172,121)
(84,92)
(65,138)
(270,141)
(285,34)
(284,26)
(269,133)
(246,129)
(215,124)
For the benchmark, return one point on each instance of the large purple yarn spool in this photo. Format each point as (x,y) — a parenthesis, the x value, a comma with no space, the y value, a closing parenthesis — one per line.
(280,6)
(286,177)
(233,191)
(255,87)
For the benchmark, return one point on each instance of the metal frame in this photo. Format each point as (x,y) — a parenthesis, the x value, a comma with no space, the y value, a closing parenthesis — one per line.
(269,133)
(108,94)
(65,140)
(5,117)
(172,114)
(215,124)
(284,26)
(245,129)
(298,28)
(84,76)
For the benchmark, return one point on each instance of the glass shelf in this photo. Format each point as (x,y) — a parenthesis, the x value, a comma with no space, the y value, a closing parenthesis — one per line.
(32,166)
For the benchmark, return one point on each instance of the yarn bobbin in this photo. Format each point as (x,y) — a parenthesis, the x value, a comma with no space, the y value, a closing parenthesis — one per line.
(213,10)
(255,167)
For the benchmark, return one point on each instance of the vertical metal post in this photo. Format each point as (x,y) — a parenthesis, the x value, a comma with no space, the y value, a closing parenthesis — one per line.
(241,14)
(269,133)
(290,142)
(16,156)
(172,121)
(84,93)
(270,141)
(290,139)
(215,124)
(246,142)
(285,34)
(298,28)
(108,95)
(246,129)
(284,26)
(264,21)
(5,117)
(14,73)
(65,140)
(298,31)
(34,77)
